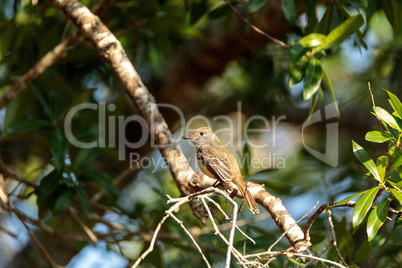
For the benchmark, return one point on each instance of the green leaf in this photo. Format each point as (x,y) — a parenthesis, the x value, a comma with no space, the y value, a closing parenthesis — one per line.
(312,106)
(42,101)
(345,200)
(391,11)
(397,195)
(219,12)
(296,74)
(312,40)
(382,163)
(365,159)
(363,205)
(255,5)
(63,201)
(197,11)
(60,146)
(299,264)
(397,163)
(377,218)
(312,78)
(323,25)
(344,238)
(371,8)
(396,103)
(27,125)
(49,184)
(311,15)
(340,33)
(398,222)
(395,180)
(295,53)
(383,115)
(331,89)
(103,179)
(363,252)
(289,9)
(377,136)
(85,157)
(84,200)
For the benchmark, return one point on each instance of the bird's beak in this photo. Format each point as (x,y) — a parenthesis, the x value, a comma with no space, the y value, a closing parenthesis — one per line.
(188,137)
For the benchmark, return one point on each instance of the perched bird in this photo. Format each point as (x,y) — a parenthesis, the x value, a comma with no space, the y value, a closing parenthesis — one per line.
(217,162)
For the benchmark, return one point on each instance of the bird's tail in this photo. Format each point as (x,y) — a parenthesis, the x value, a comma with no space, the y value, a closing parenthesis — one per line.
(252,205)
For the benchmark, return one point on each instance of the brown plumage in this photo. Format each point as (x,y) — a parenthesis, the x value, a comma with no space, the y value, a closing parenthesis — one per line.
(217,162)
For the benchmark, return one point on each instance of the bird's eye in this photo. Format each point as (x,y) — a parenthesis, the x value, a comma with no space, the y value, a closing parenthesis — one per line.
(202,133)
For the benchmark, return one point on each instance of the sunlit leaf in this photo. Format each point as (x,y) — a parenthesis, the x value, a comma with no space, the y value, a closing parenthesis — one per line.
(397,195)
(340,33)
(363,205)
(347,199)
(397,163)
(331,89)
(382,163)
(395,180)
(396,103)
(386,117)
(312,78)
(377,136)
(377,218)
(365,159)
(298,263)
(312,40)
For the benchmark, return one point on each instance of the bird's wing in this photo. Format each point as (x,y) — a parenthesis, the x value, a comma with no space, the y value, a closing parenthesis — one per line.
(219,166)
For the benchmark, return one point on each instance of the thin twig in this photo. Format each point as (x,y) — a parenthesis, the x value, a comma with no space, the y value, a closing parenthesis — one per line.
(333,237)
(237,254)
(223,227)
(255,28)
(378,119)
(191,237)
(35,239)
(319,259)
(152,244)
(284,233)
(86,229)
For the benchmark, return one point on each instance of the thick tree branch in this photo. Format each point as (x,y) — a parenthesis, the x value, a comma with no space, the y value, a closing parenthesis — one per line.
(186,179)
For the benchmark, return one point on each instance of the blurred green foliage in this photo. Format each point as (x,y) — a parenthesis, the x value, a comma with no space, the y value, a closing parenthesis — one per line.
(336,47)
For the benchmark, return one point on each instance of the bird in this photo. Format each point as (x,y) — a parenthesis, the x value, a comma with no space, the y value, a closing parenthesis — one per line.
(217,162)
